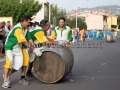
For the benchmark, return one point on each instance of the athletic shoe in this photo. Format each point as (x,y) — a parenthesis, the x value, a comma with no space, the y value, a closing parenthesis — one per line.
(24,81)
(6,85)
(8,80)
(31,76)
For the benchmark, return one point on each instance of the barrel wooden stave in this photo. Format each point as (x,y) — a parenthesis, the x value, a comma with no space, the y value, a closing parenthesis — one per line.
(68,62)
(114,38)
(110,38)
(71,56)
(62,55)
(43,70)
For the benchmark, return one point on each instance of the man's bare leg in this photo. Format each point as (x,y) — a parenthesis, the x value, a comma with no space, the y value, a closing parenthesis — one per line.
(29,71)
(23,72)
(6,74)
(30,66)
(12,71)
(6,83)
(23,80)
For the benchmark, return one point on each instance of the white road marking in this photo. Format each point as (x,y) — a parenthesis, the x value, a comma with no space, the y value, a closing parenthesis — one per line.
(2,60)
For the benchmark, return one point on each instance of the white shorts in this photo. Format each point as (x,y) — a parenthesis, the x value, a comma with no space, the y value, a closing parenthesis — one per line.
(14,58)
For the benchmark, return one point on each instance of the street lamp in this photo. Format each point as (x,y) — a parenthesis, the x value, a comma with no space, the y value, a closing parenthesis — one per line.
(49,10)
(77,8)
(20,1)
(54,22)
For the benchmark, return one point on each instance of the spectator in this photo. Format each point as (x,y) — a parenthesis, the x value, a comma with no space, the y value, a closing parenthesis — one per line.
(36,24)
(1,39)
(74,34)
(31,26)
(49,31)
(3,23)
(5,30)
(78,35)
(7,27)
(82,33)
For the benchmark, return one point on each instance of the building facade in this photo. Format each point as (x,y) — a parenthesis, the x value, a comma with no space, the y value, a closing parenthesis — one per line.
(40,15)
(101,21)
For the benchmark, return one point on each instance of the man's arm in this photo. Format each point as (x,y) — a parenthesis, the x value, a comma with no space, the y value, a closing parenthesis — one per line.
(51,42)
(52,36)
(49,39)
(21,38)
(29,38)
(29,45)
(42,38)
(70,38)
(31,42)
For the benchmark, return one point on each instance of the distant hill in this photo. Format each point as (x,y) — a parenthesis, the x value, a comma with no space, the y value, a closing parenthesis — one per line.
(114,9)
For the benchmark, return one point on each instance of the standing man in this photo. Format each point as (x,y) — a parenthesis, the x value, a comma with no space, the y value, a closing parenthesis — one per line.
(7,27)
(62,32)
(82,33)
(26,58)
(38,36)
(14,56)
(95,34)
(74,34)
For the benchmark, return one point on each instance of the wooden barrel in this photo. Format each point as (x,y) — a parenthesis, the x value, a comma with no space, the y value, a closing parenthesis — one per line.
(114,37)
(105,36)
(54,64)
(108,38)
(111,38)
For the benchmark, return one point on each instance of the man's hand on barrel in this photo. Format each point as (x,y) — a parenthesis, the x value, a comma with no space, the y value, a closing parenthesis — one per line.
(38,51)
(67,41)
(36,42)
(62,43)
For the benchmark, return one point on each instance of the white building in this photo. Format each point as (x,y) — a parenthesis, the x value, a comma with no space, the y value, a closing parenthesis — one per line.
(40,15)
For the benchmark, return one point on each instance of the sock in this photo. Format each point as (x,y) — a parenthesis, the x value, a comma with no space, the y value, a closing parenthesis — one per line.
(29,72)
(22,77)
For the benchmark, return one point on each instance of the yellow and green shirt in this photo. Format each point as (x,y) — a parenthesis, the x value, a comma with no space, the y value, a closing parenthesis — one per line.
(28,37)
(15,36)
(38,34)
(65,34)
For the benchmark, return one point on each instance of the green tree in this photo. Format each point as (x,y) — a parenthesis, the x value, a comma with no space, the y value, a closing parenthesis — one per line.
(118,20)
(80,23)
(18,8)
(56,12)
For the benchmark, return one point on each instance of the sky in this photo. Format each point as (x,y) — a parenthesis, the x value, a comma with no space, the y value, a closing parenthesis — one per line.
(73,4)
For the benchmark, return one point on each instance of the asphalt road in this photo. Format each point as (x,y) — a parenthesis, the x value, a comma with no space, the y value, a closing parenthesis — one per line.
(94,69)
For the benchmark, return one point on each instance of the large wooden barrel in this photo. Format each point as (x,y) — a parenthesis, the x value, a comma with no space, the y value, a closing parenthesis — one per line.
(54,64)
(114,38)
(110,38)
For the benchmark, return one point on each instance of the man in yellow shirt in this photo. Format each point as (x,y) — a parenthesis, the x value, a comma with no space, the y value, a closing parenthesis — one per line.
(62,32)
(26,58)
(14,56)
(82,33)
(38,36)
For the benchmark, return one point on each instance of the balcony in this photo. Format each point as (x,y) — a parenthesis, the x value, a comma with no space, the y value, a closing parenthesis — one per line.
(114,21)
